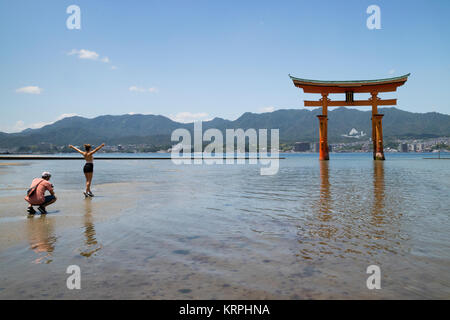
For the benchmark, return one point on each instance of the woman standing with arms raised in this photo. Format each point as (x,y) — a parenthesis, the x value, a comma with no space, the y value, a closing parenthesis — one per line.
(88,168)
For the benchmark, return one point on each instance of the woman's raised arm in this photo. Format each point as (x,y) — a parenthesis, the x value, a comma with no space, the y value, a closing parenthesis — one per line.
(98,148)
(76,149)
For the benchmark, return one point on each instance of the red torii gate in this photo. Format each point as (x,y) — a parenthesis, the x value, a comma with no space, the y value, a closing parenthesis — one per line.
(349,88)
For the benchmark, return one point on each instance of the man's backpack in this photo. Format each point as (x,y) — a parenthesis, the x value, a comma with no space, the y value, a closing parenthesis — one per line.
(33,189)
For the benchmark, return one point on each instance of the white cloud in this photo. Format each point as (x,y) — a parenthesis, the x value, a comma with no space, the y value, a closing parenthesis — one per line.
(38,125)
(89,55)
(20,125)
(267,109)
(30,90)
(66,115)
(186,117)
(392,71)
(139,89)
(113,67)
(84,54)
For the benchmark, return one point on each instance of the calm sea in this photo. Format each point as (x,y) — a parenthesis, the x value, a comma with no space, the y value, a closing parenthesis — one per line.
(156,230)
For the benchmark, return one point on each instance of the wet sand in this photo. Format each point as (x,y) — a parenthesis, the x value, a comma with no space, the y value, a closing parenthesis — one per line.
(13,164)
(69,210)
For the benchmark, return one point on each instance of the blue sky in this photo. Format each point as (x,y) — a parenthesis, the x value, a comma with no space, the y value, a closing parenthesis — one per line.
(203,59)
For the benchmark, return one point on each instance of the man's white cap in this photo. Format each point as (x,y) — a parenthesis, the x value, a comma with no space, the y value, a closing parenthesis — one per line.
(46,174)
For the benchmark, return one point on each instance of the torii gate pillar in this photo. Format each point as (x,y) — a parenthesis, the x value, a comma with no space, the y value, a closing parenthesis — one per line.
(323,137)
(377,129)
(378,142)
(323,129)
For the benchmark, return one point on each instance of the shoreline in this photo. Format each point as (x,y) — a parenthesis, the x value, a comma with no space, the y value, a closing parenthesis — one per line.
(126,158)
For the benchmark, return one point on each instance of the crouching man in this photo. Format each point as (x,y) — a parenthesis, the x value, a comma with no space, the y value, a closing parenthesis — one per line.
(36,194)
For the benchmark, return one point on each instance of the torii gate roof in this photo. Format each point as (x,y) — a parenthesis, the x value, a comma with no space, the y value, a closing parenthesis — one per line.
(376,85)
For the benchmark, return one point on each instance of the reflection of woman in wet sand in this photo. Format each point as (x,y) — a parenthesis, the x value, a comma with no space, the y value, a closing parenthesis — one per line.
(88,168)
(91,242)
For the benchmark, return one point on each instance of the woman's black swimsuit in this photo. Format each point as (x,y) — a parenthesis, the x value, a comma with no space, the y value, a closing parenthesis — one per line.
(88,167)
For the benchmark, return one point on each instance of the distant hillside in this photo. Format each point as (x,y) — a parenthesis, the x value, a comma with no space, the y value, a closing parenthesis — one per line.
(294,124)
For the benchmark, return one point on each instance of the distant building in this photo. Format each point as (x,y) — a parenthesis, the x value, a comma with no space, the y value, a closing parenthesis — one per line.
(420,147)
(354,134)
(315,147)
(301,146)
(403,147)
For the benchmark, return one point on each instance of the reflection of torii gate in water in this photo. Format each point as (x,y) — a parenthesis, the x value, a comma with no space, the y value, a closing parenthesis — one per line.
(349,88)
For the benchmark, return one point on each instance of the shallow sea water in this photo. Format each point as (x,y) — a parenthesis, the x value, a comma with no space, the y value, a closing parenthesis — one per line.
(156,230)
